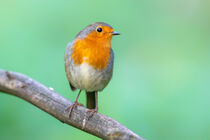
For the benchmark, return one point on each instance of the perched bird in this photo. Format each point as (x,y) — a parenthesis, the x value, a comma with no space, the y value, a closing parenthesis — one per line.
(89,62)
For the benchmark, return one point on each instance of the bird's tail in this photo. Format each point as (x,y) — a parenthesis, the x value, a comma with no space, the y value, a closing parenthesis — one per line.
(91,100)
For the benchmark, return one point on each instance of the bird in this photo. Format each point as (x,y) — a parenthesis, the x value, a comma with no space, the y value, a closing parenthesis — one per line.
(89,62)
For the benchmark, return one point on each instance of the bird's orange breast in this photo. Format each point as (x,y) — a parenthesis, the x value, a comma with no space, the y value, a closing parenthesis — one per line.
(95,52)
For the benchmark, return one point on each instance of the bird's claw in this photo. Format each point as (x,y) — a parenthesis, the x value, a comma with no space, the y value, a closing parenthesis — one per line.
(92,112)
(71,107)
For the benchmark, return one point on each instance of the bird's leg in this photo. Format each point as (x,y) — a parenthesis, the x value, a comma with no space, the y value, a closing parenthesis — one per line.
(75,104)
(95,110)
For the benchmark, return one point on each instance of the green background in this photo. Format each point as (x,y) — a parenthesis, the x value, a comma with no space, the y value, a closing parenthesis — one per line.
(161,83)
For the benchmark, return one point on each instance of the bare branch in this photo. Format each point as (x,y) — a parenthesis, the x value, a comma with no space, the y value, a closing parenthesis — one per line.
(52,103)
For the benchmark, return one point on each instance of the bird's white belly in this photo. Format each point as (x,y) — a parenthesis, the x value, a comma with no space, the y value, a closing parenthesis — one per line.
(87,78)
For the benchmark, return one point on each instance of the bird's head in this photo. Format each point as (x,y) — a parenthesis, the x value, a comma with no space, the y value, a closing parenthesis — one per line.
(92,45)
(98,31)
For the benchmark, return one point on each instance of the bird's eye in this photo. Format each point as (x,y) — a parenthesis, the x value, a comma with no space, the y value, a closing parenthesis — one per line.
(99,29)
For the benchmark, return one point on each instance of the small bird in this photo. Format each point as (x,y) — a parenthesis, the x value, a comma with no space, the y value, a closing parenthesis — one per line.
(89,62)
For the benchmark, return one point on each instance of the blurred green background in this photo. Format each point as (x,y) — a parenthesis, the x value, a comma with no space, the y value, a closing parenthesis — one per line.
(161,83)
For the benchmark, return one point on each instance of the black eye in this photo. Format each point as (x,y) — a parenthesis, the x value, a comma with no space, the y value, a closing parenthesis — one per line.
(99,29)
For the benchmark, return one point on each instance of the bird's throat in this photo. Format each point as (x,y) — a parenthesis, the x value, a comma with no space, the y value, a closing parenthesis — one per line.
(94,52)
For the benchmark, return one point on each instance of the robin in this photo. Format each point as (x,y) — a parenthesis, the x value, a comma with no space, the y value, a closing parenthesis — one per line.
(89,62)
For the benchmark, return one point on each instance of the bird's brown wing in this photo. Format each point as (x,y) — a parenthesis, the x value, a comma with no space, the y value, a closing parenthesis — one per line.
(67,64)
(72,87)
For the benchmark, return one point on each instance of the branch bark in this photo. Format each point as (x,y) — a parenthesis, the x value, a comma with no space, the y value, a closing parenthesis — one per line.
(54,104)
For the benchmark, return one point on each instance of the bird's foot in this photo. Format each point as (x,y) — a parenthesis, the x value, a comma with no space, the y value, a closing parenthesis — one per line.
(71,107)
(92,112)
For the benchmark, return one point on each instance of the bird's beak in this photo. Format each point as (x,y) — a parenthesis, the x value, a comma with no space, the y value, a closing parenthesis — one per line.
(115,33)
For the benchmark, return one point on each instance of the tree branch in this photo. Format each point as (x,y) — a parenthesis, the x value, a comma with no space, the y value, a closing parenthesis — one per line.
(52,103)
